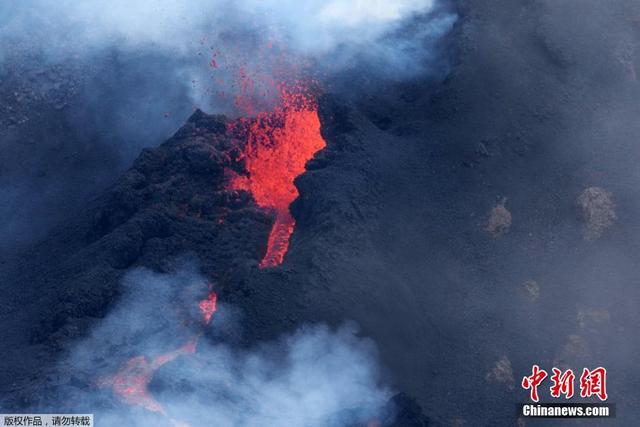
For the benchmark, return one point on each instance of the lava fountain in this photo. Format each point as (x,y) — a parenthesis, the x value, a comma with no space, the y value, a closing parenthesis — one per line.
(279,143)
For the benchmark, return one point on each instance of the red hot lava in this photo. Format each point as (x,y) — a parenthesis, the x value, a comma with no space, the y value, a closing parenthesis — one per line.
(208,307)
(132,380)
(279,144)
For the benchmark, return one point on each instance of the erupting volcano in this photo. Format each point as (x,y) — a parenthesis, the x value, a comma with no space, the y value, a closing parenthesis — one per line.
(275,146)
(278,146)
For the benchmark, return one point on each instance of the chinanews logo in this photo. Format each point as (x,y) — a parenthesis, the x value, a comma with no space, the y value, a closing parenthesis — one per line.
(562,385)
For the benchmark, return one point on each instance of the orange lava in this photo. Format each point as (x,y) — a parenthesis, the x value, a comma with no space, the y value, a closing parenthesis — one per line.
(208,306)
(132,380)
(279,144)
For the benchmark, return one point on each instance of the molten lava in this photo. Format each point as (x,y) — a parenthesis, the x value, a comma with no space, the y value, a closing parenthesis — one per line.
(208,306)
(132,380)
(279,144)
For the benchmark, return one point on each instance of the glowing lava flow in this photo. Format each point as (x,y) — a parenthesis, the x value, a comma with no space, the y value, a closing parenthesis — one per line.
(208,307)
(279,144)
(131,382)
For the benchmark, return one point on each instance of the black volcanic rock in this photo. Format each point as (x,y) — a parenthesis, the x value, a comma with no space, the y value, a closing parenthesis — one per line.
(405,412)
(173,202)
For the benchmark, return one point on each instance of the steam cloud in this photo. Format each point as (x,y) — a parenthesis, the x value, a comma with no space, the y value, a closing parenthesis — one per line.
(314,377)
(313,28)
(332,35)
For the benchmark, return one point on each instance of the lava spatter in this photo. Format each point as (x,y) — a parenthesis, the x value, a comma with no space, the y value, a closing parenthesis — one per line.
(279,143)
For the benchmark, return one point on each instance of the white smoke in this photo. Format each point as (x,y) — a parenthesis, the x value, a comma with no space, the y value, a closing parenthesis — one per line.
(318,27)
(312,377)
(312,28)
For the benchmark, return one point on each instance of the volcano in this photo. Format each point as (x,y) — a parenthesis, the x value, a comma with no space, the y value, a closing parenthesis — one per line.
(226,188)
(464,221)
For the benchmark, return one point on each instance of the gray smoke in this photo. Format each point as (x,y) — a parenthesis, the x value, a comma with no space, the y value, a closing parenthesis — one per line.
(313,377)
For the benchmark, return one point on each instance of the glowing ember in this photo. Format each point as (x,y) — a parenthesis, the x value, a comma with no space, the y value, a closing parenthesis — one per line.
(279,144)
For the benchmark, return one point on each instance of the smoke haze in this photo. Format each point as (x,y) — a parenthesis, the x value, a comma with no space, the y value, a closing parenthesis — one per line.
(312,377)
